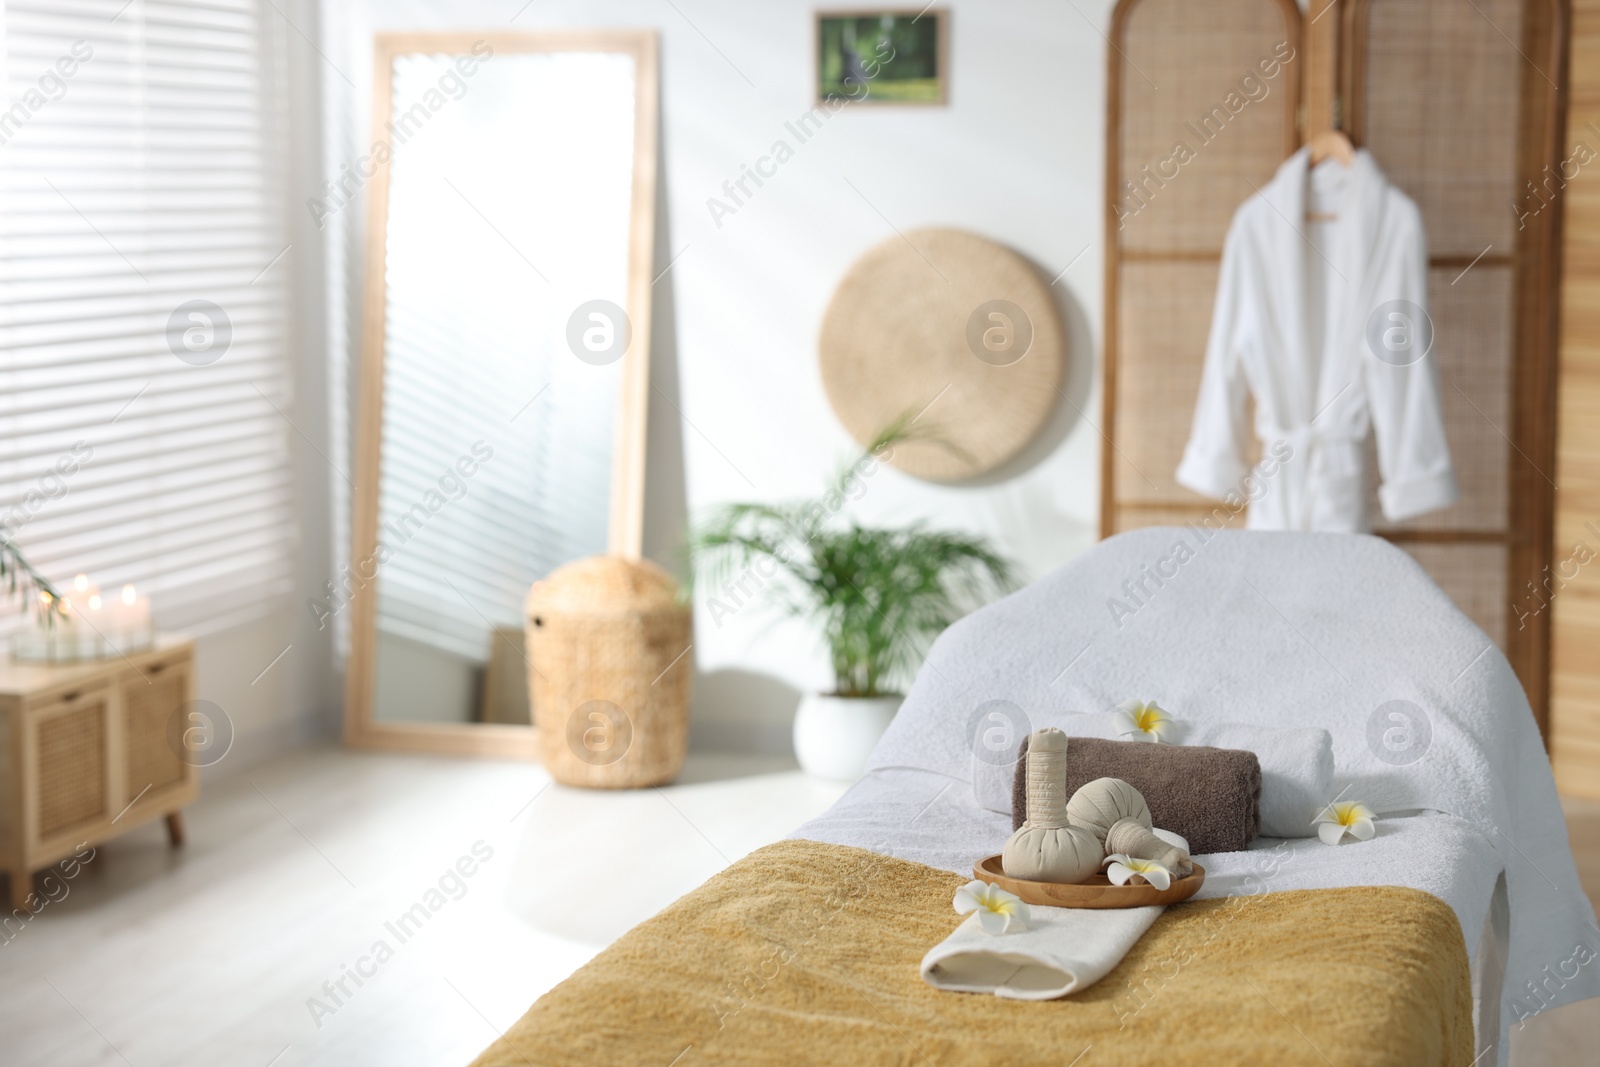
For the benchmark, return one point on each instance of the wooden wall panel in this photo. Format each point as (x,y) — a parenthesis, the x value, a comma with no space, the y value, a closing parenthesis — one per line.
(1575,605)
(1461,105)
(1184,61)
(1165,306)
(1473,315)
(1441,112)
(1179,77)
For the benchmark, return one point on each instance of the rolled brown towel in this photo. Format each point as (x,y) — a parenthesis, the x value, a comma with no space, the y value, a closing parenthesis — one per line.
(1212,796)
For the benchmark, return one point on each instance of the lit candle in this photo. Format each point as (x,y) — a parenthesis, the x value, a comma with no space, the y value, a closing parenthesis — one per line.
(131,618)
(95,635)
(86,625)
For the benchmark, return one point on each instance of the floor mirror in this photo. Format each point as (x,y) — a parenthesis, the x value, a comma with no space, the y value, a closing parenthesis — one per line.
(504,364)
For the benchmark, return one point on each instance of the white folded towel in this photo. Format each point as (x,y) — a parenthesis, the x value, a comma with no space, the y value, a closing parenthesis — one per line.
(1055,952)
(1296,764)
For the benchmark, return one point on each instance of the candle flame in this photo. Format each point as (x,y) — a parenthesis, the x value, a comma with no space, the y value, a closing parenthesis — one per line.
(94,602)
(128,595)
(81,582)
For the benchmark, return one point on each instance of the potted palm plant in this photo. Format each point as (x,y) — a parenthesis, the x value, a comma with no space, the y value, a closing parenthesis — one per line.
(879,596)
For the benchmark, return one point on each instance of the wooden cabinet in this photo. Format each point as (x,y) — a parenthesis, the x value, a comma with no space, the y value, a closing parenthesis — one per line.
(88,750)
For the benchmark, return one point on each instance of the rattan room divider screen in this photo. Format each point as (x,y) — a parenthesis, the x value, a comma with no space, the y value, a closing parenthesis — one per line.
(1462,106)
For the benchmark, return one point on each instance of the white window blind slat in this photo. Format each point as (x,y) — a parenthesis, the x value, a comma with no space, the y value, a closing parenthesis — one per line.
(149,177)
(55,440)
(180,556)
(100,334)
(108,386)
(125,365)
(58,279)
(122,542)
(256,472)
(180,562)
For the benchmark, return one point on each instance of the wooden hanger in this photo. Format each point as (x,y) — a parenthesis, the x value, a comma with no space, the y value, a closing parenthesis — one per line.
(1334,143)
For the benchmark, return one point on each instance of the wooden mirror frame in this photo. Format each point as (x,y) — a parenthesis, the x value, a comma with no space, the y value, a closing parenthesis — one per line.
(626,525)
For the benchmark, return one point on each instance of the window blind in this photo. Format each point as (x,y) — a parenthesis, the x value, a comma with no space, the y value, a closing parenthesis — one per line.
(143,374)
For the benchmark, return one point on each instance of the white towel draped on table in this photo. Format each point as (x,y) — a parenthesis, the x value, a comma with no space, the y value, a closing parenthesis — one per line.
(1327,631)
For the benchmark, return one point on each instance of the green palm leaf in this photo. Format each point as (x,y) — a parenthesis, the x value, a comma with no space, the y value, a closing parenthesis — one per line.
(879,596)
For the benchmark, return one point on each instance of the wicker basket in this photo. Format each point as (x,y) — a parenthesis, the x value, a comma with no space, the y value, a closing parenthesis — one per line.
(607,639)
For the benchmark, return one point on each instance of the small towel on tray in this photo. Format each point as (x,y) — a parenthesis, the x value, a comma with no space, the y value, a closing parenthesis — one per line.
(1212,796)
(1058,951)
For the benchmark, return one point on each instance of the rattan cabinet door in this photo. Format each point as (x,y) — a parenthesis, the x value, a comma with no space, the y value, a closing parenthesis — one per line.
(152,703)
(67,781)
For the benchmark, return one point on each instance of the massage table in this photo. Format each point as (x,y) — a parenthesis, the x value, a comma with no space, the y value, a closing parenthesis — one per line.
(1425,945)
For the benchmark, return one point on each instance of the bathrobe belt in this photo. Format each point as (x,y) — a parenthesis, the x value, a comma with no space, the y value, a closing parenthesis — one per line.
(1320,454)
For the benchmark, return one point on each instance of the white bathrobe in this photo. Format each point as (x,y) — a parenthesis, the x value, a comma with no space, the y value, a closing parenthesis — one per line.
(1303,309)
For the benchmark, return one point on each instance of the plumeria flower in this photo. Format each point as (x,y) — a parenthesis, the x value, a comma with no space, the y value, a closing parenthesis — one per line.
(1350,817)
(1138,721)
(996,908)
(1124,869)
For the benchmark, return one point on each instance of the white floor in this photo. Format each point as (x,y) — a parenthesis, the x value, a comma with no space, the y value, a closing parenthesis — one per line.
(210,954)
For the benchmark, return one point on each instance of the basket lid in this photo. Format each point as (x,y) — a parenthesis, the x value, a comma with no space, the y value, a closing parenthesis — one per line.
(603,585)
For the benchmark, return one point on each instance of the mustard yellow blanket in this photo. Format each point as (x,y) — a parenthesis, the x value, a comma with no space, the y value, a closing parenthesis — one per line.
(805,953)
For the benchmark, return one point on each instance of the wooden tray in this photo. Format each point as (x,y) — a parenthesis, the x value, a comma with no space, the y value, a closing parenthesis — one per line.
(1097,892)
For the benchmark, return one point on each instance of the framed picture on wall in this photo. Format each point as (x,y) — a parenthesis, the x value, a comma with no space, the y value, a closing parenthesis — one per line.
(883,56)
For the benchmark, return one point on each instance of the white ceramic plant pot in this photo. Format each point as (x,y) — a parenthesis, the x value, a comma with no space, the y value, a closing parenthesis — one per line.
(834,735)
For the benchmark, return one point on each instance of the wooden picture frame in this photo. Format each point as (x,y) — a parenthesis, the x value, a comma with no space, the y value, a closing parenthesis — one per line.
(938,50)
(626,521)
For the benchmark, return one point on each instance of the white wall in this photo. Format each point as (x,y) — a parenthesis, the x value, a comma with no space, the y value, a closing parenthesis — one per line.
(1016,156)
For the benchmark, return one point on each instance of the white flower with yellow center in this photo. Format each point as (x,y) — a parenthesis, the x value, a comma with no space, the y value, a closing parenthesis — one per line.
(1350,817)
(1123,869)
(1138,721)
(996,908)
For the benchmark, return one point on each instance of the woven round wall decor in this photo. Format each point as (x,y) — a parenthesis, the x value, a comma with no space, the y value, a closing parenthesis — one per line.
(954,331)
